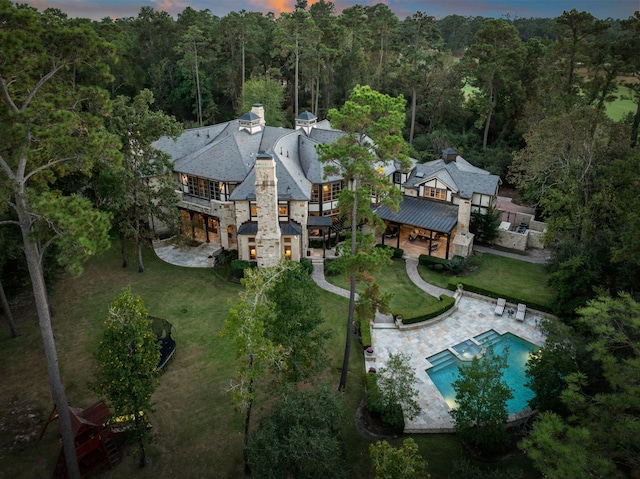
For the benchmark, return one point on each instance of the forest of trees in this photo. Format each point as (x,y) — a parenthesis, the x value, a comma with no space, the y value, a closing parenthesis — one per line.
(523,98)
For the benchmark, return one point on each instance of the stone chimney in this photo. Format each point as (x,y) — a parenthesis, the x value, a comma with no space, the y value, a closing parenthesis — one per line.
(449,155)
(258,109)
(464,215)
(268,236)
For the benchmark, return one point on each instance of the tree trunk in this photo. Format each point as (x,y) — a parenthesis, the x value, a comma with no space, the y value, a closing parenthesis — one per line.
(140,263)
(141,449)
(296,79)
(485,136)
(7,312)
(195,51)
(635,125)
(247,423)
(32,255)
(352,294)
(125,263)
(139,247)
(243,62)
(413,114)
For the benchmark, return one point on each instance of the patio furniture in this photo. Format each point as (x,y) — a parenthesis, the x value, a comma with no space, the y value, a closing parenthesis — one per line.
(522,308)
(500,306)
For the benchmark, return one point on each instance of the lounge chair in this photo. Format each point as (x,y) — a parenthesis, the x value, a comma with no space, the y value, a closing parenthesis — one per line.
(522,309)
(500,306)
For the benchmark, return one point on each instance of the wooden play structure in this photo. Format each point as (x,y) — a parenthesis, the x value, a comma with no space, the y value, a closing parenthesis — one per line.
(95,443)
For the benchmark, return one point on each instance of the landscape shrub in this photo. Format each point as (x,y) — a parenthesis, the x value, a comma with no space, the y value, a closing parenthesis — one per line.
(238,266)
(427,312)
(430,261)
(365,333)
(391,417)
(225,257)
(307,265)
(331,268)
(478,289)
(398,253)
(456,264)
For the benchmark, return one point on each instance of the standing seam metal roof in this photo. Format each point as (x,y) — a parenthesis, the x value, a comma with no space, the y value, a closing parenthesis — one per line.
(427,214)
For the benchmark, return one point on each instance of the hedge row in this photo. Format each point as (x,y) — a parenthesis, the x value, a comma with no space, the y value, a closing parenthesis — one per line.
(427,312)
(398,253)
(475,288)
(365,333)
(427,260)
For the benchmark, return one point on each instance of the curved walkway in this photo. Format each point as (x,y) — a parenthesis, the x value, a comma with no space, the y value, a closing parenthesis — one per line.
(473,316)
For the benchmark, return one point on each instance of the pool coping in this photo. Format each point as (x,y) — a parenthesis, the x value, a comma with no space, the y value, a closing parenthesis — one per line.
(473,315)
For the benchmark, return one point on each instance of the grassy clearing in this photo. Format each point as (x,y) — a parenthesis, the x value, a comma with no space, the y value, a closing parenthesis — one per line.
(623,105)
(197,433)
(509,276)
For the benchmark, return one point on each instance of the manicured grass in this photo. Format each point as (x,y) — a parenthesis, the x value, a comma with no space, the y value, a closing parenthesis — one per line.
(197,432)
(623,105)
(506,276)
(393,279)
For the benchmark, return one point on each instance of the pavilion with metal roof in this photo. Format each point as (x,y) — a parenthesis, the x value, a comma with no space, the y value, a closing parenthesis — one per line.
(433,216)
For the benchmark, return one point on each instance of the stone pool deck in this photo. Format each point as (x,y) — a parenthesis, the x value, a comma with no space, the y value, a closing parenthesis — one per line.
(472,317)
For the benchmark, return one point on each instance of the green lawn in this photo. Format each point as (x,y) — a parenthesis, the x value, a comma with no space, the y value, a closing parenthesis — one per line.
(622,105)
(197,433)
(393,279)
(505,276)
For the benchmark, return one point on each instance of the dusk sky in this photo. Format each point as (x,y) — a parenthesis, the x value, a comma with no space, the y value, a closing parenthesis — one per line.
(98,9)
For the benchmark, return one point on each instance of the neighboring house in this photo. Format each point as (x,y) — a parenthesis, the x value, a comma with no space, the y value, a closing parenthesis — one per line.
(262,189)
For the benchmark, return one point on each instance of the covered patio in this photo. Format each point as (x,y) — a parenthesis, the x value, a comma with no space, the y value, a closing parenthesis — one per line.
(420,226)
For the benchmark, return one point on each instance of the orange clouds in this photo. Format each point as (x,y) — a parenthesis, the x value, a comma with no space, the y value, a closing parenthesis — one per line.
(277,6)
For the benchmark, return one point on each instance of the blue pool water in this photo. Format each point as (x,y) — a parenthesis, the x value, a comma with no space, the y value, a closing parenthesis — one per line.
(467,350)
(444,370)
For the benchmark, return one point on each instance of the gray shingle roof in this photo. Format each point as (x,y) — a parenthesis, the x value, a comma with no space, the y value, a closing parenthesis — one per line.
(306,115)
(286,228)
(467,179)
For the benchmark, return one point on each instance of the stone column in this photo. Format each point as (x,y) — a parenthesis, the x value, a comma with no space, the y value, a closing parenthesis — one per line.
(268,248)
(464,215)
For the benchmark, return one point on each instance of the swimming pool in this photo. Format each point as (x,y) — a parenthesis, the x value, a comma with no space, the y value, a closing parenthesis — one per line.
(444,368)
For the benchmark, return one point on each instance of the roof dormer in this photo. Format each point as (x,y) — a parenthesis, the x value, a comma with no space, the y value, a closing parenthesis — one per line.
(306,121)
(250,122)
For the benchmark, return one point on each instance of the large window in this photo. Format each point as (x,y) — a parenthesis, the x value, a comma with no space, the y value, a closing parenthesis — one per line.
(206,188)
(330,191)
(283,211)
(436,193)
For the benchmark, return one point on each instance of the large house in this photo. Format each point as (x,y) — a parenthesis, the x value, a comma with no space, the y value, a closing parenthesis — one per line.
(262,190)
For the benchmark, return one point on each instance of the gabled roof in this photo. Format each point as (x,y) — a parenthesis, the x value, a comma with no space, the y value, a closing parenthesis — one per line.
(464,178)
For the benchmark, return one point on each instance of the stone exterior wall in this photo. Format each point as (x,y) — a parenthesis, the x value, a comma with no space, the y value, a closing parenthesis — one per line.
(268,245)
(532,238)
(298,212)
(225,212)
(535,239)
(512,240)
(464,216)
(462,245)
